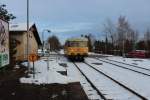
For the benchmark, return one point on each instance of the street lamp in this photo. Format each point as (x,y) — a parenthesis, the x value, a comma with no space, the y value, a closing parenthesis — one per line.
(43,46)
(43,38)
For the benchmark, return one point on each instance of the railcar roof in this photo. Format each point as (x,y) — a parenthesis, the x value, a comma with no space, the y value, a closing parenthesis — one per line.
(77,39)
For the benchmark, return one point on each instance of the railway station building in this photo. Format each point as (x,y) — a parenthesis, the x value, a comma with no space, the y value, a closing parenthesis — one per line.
(18,41)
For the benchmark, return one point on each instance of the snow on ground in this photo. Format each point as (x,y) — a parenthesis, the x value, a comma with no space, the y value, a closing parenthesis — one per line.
(45,76)
(61,51)
(145,63)
(55,64)
(135,81)
(139,83)
(98,54)
(73,72)
(53,52)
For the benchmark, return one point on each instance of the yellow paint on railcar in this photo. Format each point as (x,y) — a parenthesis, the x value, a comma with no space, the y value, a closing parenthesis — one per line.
(74,51)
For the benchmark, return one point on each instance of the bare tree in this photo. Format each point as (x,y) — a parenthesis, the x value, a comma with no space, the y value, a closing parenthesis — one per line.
(54,43)
(127,36)
(109,30)
(147,39)
(123,29)
(134,38)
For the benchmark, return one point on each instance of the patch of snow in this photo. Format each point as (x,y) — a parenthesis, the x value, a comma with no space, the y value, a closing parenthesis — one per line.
(98,54)
(61,51)
(16,67)
(25,63)
(56,67)
(54,96)
(45,76)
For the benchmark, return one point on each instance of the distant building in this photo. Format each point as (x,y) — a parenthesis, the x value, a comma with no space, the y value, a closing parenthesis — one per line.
(18,41)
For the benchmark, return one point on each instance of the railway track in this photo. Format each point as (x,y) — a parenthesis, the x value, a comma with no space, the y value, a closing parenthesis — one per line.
(88,87)
(107,87)
(90,82)
(130,65)
(133,68)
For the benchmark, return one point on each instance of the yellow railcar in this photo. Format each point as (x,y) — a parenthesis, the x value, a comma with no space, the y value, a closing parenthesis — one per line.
(76,48)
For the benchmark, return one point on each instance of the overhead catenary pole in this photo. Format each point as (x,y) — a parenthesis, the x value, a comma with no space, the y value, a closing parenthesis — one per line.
(124,41)
(123,48)
(106,44)
(28,33)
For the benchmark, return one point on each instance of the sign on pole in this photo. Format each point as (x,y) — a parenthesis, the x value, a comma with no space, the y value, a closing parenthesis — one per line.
(33,58)
(4,43)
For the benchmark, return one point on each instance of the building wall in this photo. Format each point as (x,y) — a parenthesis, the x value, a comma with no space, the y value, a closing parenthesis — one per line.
(21,54)
(33,45)
(17,36)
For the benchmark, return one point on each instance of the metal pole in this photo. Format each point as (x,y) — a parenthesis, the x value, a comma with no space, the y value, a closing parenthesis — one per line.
(48,54)
(28,32)
(48,62)
(43,42)
(106,44)
(124,41)
(33,70)
(123,49)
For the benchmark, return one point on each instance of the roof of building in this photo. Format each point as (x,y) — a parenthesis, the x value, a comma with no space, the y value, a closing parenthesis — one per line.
(19,26)
(23,28)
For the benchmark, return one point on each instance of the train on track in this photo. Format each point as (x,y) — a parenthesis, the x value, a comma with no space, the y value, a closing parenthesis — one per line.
(76,48)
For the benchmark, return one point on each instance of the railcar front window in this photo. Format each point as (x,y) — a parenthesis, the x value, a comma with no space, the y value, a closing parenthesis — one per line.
(78,44)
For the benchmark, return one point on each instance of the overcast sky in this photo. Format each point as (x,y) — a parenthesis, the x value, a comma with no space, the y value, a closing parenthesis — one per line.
(70,18)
